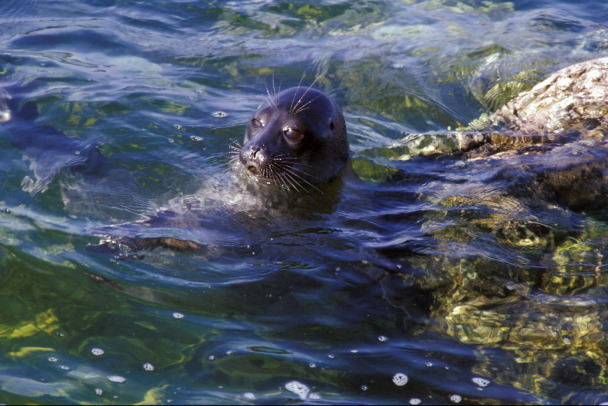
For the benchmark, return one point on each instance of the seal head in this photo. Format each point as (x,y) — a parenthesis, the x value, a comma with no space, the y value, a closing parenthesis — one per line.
(296,139)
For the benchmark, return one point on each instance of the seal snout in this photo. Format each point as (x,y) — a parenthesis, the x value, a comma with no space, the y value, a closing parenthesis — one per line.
(253,157)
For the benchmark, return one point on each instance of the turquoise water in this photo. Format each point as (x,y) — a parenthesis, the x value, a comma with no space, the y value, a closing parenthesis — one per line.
(122,109)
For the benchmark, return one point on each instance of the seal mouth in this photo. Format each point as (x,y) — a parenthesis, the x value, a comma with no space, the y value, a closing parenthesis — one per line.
(254,170)
(253,167)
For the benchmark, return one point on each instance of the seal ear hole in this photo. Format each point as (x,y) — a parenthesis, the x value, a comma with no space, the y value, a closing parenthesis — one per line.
(331,125)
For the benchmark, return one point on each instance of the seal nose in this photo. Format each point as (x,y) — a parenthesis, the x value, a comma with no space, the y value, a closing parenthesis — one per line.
(253,157)
(254,151)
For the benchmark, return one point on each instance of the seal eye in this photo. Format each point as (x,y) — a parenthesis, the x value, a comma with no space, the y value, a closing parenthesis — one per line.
(255,123)
(293,135)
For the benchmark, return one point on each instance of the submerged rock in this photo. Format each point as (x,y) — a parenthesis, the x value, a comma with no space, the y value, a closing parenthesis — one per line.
(521,232)
(554,134)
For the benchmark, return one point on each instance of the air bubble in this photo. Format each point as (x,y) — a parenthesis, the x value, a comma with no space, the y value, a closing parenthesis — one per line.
(177,315)
(382,339)
(415,401)
(480,381)
(219,114)
(97,351)
(249,396)
(298,388)
(116,379)
(148,367)
(455,398)
(400,379)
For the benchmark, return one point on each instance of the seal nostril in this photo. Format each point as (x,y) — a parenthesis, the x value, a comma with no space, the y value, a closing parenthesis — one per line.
(254,152)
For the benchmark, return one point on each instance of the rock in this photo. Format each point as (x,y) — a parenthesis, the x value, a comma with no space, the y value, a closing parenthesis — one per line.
(574,97)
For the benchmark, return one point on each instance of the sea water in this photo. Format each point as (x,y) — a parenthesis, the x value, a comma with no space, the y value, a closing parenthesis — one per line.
(397,288)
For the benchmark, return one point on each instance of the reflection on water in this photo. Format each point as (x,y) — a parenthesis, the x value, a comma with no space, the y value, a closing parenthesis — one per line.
(444,279)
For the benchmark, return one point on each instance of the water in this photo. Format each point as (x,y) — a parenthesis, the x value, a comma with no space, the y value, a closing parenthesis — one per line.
(432,280)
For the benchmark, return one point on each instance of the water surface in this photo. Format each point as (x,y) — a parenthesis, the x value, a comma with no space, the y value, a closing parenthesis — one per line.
(445,272)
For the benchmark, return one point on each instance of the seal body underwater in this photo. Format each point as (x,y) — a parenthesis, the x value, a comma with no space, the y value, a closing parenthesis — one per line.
(297,139)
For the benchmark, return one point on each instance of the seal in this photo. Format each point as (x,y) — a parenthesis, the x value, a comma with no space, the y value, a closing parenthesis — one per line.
(296,139)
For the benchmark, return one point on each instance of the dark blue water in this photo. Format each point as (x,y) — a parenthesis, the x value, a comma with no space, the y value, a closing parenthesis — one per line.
(431,280)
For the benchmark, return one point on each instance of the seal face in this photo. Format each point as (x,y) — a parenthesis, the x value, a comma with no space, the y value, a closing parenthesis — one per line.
(296,139)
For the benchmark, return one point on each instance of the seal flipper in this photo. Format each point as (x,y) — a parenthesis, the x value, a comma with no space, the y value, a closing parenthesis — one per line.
(48,150)
(134,245)
(117,240)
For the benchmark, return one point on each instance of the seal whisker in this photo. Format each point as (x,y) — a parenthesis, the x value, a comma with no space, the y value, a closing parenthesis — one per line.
(291,106)
(298,172)
(291,161)
(274,90)
(303,107)
(235,144)
(298,103)
(271,98)
(301,181)
(286,179)
(293,172)
(271,174)
(287,169)
(282,180)
(233,159)
(288,159)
